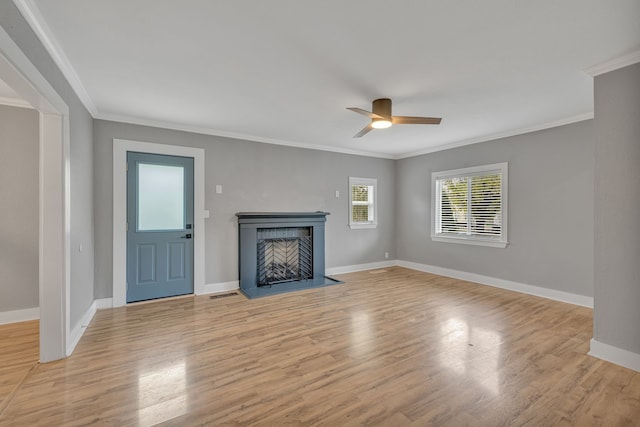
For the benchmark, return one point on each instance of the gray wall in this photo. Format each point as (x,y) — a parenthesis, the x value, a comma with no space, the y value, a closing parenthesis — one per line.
(81,159)
(617,209)
(19,212)
(550,209)
(255,177)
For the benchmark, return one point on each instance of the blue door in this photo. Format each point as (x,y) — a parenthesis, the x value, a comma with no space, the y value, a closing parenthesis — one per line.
(159,226)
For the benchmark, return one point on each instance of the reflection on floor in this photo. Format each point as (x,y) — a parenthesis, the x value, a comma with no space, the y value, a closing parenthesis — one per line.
(394,347)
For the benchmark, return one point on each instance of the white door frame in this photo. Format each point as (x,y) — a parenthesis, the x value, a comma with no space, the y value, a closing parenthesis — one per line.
(120,148)
(54,196)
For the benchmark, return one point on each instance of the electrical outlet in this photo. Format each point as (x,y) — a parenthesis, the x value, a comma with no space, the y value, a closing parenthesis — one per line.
(337,193)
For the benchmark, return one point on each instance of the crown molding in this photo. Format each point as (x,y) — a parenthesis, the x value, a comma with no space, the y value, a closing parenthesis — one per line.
(234,135)
(614,64)
(34,18)
(14,102)
(506,134)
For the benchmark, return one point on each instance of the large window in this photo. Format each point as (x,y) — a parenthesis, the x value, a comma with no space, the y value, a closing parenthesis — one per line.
(470,205)
(362,203)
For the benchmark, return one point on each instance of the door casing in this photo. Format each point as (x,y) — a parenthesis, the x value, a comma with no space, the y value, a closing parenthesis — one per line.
(54,268)
(120,149)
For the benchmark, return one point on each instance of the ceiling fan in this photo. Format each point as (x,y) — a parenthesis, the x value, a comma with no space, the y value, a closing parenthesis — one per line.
(381,117)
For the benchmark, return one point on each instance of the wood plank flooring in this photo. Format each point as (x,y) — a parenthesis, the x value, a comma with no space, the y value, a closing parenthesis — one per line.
(389,347)
(19,354)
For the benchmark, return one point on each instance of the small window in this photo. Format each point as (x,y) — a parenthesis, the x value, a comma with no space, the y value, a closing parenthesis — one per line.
(363,203)
(470,205)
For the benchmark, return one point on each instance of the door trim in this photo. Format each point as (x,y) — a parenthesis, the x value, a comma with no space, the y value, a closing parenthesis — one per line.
(120,148)
(54,197)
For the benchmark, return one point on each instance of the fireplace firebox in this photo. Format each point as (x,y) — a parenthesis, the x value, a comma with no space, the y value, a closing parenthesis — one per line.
(284,255)
(281,252)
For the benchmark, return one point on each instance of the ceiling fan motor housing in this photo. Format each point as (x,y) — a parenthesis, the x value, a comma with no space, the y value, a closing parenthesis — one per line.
(382,107)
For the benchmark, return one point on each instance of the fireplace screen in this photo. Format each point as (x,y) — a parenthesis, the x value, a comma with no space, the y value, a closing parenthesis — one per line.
(284,255)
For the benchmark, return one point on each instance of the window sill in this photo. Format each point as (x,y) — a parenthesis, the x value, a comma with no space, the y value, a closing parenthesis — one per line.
(470,241)
(357,226)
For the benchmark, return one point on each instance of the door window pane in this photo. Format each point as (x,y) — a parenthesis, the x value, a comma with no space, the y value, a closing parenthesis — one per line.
(160,197)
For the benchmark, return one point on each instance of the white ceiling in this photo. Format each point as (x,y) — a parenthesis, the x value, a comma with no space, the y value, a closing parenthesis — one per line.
(284,71)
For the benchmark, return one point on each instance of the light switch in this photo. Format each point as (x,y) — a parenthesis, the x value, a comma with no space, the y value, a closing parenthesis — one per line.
(206,214)
(218,189)
(337,193)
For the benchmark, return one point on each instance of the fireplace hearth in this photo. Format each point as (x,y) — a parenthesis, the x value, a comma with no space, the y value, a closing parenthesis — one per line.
(281,252)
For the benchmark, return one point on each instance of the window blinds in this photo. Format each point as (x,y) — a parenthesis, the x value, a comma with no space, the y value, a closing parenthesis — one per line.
(470,204)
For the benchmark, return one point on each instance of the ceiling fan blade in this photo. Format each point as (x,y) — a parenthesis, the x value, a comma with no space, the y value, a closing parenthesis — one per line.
(407,120)
(365,113)
(364,131)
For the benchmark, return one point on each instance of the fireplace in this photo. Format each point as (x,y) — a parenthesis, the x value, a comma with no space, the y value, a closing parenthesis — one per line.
(281,252)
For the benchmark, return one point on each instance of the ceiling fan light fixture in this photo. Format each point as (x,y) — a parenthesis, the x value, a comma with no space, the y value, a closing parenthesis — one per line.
(381,117)
(381,123)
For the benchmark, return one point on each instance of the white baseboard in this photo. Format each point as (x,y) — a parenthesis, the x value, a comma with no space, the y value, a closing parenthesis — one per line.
(104,303)
(503,284)
(359,267)
(16,316)
(80,327)
(616,355)
(213,288)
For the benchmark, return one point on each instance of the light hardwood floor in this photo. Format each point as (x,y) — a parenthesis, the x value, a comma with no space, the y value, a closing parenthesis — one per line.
(19,353)
(390,347)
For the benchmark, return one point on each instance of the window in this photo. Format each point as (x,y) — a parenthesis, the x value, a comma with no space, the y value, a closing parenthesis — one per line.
(161,197)
(363,203)
(470,205)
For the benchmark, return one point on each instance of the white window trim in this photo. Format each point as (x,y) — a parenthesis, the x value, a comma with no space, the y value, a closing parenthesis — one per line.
(369,182)
(501,242)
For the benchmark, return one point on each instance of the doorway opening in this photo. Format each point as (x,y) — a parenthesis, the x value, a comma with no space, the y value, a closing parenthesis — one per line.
(53,196)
